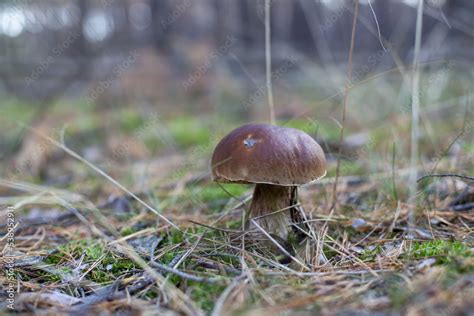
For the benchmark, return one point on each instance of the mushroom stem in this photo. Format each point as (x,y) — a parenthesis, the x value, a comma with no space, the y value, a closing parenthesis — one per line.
(272,203)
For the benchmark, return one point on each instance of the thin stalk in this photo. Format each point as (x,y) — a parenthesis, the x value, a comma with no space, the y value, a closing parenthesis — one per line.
(394,186)
(268,59)
(415,117)
(346,94)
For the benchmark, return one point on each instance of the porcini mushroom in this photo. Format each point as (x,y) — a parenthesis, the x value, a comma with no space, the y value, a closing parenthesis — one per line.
(277,160)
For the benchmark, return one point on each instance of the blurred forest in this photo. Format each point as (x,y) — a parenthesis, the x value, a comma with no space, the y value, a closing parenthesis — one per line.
(116,51)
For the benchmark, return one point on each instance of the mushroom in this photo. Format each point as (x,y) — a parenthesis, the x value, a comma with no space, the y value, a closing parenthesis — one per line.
(277,160)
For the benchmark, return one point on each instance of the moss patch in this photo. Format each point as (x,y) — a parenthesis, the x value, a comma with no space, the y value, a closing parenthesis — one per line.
(189,131)
(205,294)
(110,264)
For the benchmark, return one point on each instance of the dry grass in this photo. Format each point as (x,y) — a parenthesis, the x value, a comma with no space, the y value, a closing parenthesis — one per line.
(118,256)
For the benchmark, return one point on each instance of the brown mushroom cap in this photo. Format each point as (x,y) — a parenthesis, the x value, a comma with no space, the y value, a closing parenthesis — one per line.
(261,153)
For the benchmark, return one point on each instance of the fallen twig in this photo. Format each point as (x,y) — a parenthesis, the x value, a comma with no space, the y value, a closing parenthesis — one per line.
(183,274)
(442,175)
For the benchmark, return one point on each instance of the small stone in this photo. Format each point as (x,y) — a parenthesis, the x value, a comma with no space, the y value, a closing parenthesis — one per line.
(357,249)
(359,224)
(426,263)
(434,221)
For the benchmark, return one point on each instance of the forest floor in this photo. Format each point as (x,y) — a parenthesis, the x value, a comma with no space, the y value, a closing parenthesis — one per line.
(116,212)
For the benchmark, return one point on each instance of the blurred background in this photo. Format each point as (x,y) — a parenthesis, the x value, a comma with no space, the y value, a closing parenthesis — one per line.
(122,82)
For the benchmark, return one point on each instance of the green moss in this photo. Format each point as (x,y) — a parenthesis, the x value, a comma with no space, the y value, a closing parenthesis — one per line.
(130,120)
(328,252)
(370,254)
(215,192)
(439,248)
(53,259)
(347,167)
(205,294)
(109,267)
(234,224)
(75,249)
(128,231)
(152,142)
(151,294)
(468,147)
(175,237)
(13,112)
(17,111)
(447,253)
(82,123)
(146,129)
(95,251)
(189,131)
(57,276)
(168,257)
(306,125)
(326,130)
(212,196)
(172,238)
